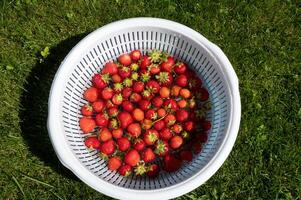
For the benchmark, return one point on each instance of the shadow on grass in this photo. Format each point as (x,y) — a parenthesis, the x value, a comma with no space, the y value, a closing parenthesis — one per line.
(35,105)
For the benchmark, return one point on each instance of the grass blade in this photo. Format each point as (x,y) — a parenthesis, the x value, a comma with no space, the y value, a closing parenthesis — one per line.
(37,181)
(19,186)
(57,196)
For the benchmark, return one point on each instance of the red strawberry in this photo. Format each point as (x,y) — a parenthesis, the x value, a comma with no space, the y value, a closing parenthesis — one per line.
(102,119)
(109,104)
(159,125)
(165,134)
(170,104)
(125,119)
(171,163)
(164,92)
(108,147)
(126,92)
(197,148)
(127,106)
(181,115)
(206,125)
(182,103)
(150,136)
(147,94)
(148,155)
(201,137)
(107,93)
(147,124)
(186,155)
(182,80)
(189,126)
(153,86)
(135,55)
(87,110)
(100,81)
(139,145)
(105,134)
(204,94)
(168,65)
(154,69)
(144,104)
(87,124)
(151,114)
(145,61)
(164,78)
(138,87)
(110,68)
(125,170)
(135,97)
(134,129)
(117,133)
(132,158)
(123,144)
(114,163)
(170,119)
(92,143)
(124,72)
(153,171)
(98,106)
(157,102)
(91,94)
(125,59)
(138,114)
(180,68)
(113,112)
(117,99)
(185,93)
(176,141)
(162,148)
(161,112)
(177,128)
(116,78)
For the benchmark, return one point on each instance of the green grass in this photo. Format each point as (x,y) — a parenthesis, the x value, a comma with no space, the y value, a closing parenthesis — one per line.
(261,39)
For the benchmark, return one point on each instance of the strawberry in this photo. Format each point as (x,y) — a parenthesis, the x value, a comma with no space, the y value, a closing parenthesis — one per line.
(113,124)
(206,125)
(124,72)
(151,114)
(189,126)
(170,119)
(113,112)
(117,99)
(109,104)
(139,145)
(92,143)
(144,104)
(116,78)
(140,169)
(123,144)
(87,110)
(128,82)
(135,97)
(147,94)
(118,87)
(168,65)
(182,80)
(125,119)
(126,92)
(100,81)
(144,76)
(87,124)
(108,147)
(180,68)
(150,136)
(148,155)
(98,106)
(170,104)
(104,134)
(185,93)
(175,90)
(182,103)
(177,128)
(161,112)
(138,114)
(162,148)
(127,106)
(192,103)
(135,75)
(125,59)
(132,158)
(125,170)
(91,94)
(171,163)
(153,171)
(138,86)
(164,92)
(202,137)
(107,93)
(197,148)
(117,133)
(147,124)
(157,102)
(176,141)
(134,129)
(102,119)
(165,134)
(154,69)
(135,55)
(164,78)
(157,56)
(186,155)
(153,86)
(145,61)
(182,115)
(204,95)
(114,163)
(110,68)
(159,125)
(185,135)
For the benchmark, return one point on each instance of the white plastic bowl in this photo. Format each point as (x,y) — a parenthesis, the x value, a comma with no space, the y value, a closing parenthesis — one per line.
(106,43)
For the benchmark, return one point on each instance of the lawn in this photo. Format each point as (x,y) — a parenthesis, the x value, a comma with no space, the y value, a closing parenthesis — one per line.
(261,39)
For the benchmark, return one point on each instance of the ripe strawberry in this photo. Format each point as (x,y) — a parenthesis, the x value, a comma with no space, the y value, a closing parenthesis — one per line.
(150,136)
(91,94)
(124,72)
(127,106)
(134,129)
(182,103)
(153,86)
(109,104)
(145,61)
(100,81)
(126,92)
(144,76)
(135,75)
(113,112)
(108,147)
(147,124)
(117,133)
(148,155)
(87,110)
(125,59)
(176,141)
(157,102)
(164,92)
(165,134)
(171,163)
(189,126)
(181,115)
(118,87)
(159,125)
(153,171)
(123,144)
(162,148)
(139,145)
(182,80)
(117,99)
(186,155)
(138,87)
(125,170)
(113,124)
(177,128)
(161,112)
(125,119)
(104,134)
(170,119)
(151,114)
(135,97)
(185,93)
(138,114)
(175,91)
(201,137)
(110,68)
(87,124)
(170,104)
(92,143)
(180,68)
(116,78)
(132,158)
(147,94)
(164,78)
(204,95)
(114,163)
(144,104)
(168,65)
(107,93)
(206,125)
(197,148)
(98,106)
(135,55)
(154,69)
(127,82)
(102,119)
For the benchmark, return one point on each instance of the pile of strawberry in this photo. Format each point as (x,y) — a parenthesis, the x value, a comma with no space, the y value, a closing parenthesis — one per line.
(144,108)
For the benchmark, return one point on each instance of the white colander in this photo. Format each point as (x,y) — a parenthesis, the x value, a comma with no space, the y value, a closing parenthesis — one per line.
(106,43)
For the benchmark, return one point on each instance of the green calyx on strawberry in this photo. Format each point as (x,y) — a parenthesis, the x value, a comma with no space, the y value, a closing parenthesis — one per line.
(157,56)
(113,124)
(145,77)
(185,134)
(146,93)
(128,82)
(207,105)
(103,156)
(134,67)
(200,113)
(192,83)
(160,147)
(163,77)
(140,169)
(135,76)
(118,87)
(152,137)
(105,77)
